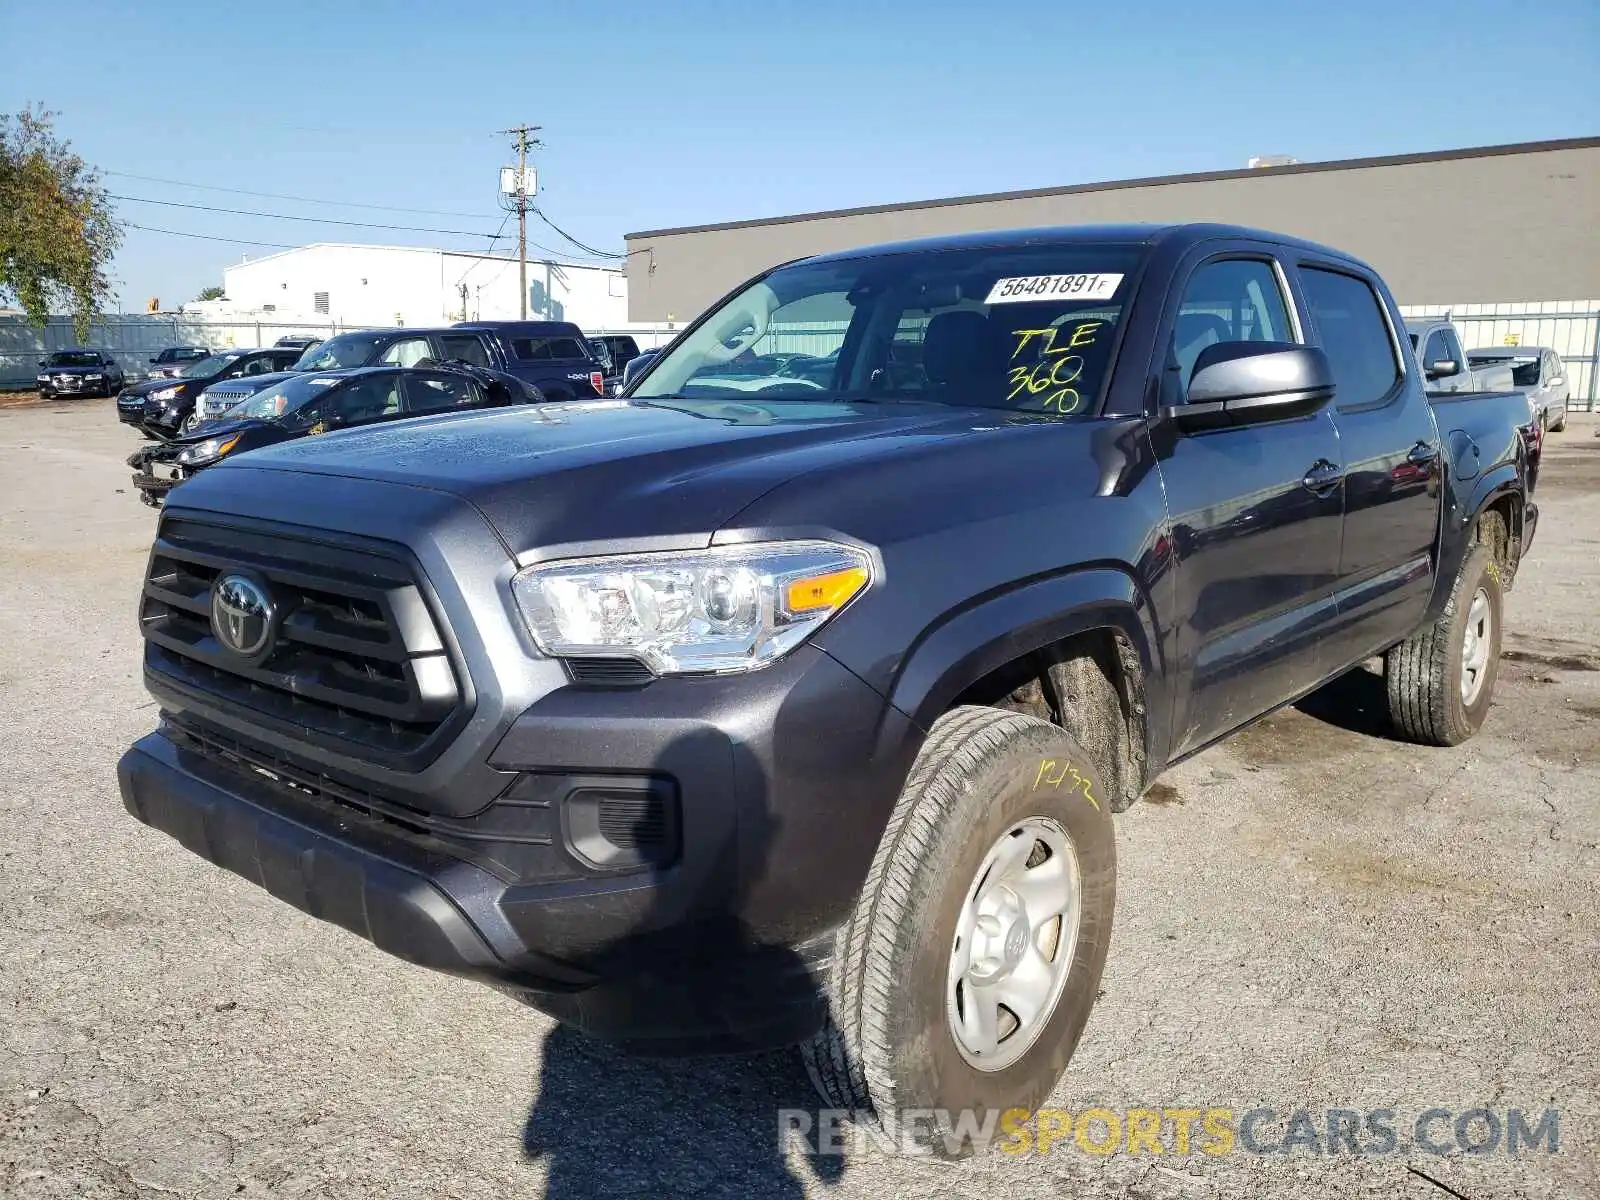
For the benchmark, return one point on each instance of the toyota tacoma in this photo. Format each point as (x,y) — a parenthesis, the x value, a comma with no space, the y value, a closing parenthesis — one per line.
(789,697)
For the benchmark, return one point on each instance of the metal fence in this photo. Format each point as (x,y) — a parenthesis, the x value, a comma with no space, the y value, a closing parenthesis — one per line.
(133,339)
(1572,330)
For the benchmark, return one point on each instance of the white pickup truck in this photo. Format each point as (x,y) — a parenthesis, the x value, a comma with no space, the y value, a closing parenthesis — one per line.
(1445,364)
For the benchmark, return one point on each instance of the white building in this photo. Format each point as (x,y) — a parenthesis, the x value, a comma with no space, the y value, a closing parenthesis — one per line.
(348,284)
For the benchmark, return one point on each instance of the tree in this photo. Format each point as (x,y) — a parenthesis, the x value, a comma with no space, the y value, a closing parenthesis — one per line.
(212,293)
(57,229)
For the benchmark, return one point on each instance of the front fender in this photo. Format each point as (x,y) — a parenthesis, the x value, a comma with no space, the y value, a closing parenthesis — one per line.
(974,640)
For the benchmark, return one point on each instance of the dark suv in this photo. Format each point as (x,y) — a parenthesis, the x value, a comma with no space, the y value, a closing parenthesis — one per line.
(79,373)
(162,407)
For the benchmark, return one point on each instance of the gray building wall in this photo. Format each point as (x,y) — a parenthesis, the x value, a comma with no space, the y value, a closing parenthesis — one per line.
(1497,223)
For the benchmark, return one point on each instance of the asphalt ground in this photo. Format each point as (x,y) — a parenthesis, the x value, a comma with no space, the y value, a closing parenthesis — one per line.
(1312,916)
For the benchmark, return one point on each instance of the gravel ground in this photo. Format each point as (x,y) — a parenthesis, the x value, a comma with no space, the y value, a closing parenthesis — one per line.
(1312,916)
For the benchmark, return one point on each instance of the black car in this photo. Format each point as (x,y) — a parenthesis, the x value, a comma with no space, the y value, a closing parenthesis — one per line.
(79,373)
(164,407)
(620,348)
(318,402)
(167,363)
(297,341)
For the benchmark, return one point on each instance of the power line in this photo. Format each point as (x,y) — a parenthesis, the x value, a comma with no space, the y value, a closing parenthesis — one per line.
(243,212)
(206,237)
(211,187)
(573,240)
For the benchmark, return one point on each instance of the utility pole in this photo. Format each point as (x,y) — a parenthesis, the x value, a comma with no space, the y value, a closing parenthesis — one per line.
(524,135)
(465,315)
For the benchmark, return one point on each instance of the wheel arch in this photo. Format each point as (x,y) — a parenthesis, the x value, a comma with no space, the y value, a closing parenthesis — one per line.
(1040,637)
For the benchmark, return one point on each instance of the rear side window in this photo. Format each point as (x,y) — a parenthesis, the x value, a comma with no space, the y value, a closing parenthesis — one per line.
(464,347)
(544,349)
(1353,333)
(440,393)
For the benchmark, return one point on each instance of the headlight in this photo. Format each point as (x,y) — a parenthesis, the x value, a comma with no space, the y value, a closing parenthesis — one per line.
(723,610)
(207,451)
(166,393)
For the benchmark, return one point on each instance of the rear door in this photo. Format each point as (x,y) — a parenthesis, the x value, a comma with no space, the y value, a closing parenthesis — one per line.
(463,347)
(1391,459)
(439,391)
(1255,511)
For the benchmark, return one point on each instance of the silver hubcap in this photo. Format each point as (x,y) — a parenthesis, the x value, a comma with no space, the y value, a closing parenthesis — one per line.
(1014,944)
(1475,649)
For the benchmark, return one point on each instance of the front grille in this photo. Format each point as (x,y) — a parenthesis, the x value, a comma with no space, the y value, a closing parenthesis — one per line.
(217,403)
(357,663)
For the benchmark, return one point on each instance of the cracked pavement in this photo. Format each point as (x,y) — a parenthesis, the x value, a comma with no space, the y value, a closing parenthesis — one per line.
(1310,916)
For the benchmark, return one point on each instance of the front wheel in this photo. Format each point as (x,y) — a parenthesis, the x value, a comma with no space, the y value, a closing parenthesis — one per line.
(192,421)
(1441,679)
(964,978)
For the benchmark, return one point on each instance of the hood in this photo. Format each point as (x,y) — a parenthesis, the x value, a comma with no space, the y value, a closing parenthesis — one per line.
(589,476)
(152,385)
(97,370)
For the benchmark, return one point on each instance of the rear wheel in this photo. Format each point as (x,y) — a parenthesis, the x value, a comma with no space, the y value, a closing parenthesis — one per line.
(1440,681)
(964,978)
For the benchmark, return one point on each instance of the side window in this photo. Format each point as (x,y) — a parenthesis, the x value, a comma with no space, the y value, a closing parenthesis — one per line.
(547,349)
(465,347)
(368,398)
(1436,349)
(428,393)
(259,366)
(1552,366)
(406,353)
(1353,333)
(1235,300)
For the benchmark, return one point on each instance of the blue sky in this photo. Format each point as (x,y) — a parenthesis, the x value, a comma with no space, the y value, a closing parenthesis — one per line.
(705,110)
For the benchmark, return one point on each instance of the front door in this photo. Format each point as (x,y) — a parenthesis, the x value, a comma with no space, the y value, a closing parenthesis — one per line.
(1255,513)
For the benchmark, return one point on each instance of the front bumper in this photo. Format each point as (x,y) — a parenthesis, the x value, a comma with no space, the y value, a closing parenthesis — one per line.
(74,387)
(783,780)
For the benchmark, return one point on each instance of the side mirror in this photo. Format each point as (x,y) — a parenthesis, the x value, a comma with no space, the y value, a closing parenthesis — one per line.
(1244,383)
(1558,381)
(1443,368)
(637,364)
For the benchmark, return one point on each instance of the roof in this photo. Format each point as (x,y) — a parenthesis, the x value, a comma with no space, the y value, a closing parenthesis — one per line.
(1079,235)
(1343,164)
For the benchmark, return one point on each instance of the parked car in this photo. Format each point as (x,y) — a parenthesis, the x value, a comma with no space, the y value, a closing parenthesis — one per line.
(215,401)
(732,715)
(1538,373)
(516,348)
(622,348)
(611,376)
(297,341)
(636,367)
(78,373)
(546,353)
(1446,366)
(319,402)
(166,363)
(165,407)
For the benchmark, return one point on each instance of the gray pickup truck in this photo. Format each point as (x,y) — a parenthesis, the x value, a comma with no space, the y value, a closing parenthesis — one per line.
(1446,366)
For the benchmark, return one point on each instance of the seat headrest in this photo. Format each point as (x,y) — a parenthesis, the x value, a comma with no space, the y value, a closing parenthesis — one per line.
(958,347)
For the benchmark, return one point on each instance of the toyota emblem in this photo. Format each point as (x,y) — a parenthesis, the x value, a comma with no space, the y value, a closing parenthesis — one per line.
(241,615)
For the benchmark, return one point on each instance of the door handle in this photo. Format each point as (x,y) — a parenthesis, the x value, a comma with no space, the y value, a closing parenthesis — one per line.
(1423,455)
(1323,476)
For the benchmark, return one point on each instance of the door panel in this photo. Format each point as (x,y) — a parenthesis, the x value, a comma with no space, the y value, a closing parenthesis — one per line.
(1392,468)
(1258,555)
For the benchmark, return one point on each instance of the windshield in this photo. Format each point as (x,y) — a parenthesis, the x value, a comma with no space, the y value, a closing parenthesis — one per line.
(281,399)
(1025,328)
(213,365)
(1524,367)
(73,358)
(346,350)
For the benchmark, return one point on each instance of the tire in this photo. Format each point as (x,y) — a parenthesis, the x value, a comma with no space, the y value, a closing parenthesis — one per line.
(890,1044)
(1560,426)
(1424,675)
